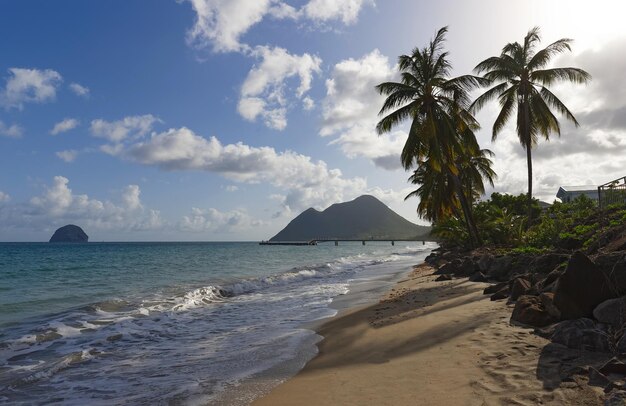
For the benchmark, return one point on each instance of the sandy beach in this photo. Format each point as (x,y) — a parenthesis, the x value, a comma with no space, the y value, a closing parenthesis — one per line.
(435,343)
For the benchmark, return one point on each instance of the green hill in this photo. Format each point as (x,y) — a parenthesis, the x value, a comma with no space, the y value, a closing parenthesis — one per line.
(362,218)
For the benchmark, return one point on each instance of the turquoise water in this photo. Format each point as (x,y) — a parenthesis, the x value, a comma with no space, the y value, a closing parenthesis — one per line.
(169,323)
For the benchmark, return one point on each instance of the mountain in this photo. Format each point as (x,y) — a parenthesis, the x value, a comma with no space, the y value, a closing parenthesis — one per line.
(365,218)
(69,233)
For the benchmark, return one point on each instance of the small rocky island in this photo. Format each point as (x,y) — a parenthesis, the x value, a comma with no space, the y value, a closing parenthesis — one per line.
(69,233)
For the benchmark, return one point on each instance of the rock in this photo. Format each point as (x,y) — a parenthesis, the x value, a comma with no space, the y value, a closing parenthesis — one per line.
(620,347)
(614,266)
(501,294)
(612,311)
(69,233)
(529,310)
(519,287)
(613,366)
(597,378)
(616,398)
(495,288)
(478,277)
(500,267)
(444,277)
(549,283)
(581,334)
(484,262)
(546,263)
(581,288)
(547,301)
(448,268)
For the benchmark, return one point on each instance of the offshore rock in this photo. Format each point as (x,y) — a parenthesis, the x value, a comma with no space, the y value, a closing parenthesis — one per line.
(69,233)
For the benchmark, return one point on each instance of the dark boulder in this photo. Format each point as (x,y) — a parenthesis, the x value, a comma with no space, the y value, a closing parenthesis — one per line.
(530,311)
(612,311)
(69,233)
(443,277)
(501,294)
(581,288)
(581,334)
(477,277)
(489,290)
(546,263)
(519,287)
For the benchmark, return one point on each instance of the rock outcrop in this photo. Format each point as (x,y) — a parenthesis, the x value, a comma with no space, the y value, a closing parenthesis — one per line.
(69,233)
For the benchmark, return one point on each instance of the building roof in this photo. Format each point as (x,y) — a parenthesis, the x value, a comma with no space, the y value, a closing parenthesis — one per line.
(584,188)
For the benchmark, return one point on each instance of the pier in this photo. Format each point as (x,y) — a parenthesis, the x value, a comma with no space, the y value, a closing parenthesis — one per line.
(315,241)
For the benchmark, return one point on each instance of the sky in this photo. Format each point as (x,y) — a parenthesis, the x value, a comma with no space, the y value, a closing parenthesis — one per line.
(201,120)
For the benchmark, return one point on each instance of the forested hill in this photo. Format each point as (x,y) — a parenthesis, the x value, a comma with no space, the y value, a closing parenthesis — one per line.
(362,218)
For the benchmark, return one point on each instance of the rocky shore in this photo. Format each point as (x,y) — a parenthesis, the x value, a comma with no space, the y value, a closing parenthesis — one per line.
(574,299)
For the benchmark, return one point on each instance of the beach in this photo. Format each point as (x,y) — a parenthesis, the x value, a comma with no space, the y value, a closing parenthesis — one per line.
(435,343)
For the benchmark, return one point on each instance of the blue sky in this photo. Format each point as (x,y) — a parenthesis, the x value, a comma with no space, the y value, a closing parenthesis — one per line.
(222,120)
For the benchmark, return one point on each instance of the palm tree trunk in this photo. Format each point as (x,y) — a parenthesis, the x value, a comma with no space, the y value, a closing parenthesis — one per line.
(472,230)
(529,162)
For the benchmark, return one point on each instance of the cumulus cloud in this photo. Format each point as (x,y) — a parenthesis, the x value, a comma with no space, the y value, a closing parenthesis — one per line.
(232,188)
(221,23)
(308,183)
(263,91)
(4,197)
(350,110)
(12,131)
(58,204)
(29,86)
(324,10)
(68,155)
(214,220)
(79,90)
(128,127)
(65,125)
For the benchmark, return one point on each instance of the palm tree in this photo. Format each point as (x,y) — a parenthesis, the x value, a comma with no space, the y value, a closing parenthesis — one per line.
(523,87)
(441,127)
(436,191)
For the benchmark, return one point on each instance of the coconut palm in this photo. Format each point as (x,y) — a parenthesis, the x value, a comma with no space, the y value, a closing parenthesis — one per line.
(441,127)
(523,89)
(436,192)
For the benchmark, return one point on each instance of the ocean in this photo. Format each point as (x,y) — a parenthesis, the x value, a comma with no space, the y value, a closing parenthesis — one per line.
(174,323)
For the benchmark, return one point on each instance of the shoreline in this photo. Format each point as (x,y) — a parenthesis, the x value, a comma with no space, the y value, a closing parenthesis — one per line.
(431,343)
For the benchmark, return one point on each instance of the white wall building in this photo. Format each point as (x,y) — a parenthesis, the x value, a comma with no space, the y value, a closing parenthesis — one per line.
(569,193)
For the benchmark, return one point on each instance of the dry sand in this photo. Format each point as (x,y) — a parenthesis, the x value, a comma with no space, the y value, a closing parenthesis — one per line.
(435,343)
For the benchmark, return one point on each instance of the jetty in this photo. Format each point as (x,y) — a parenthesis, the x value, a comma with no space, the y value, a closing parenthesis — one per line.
(315,241)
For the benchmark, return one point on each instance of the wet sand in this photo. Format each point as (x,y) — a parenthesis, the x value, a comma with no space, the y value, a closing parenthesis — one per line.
(434,343)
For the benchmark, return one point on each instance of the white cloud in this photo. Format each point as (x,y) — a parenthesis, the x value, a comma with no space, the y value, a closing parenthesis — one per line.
(68,155)
(232,188)
(308,103)
(117,131)
(79,90)
(324,10)
(29,86)
(350,110)
(12,131)
(306,182)
(4,197)
(263,91)
(222,23)
(214,220)
(59,205)
(65,125)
